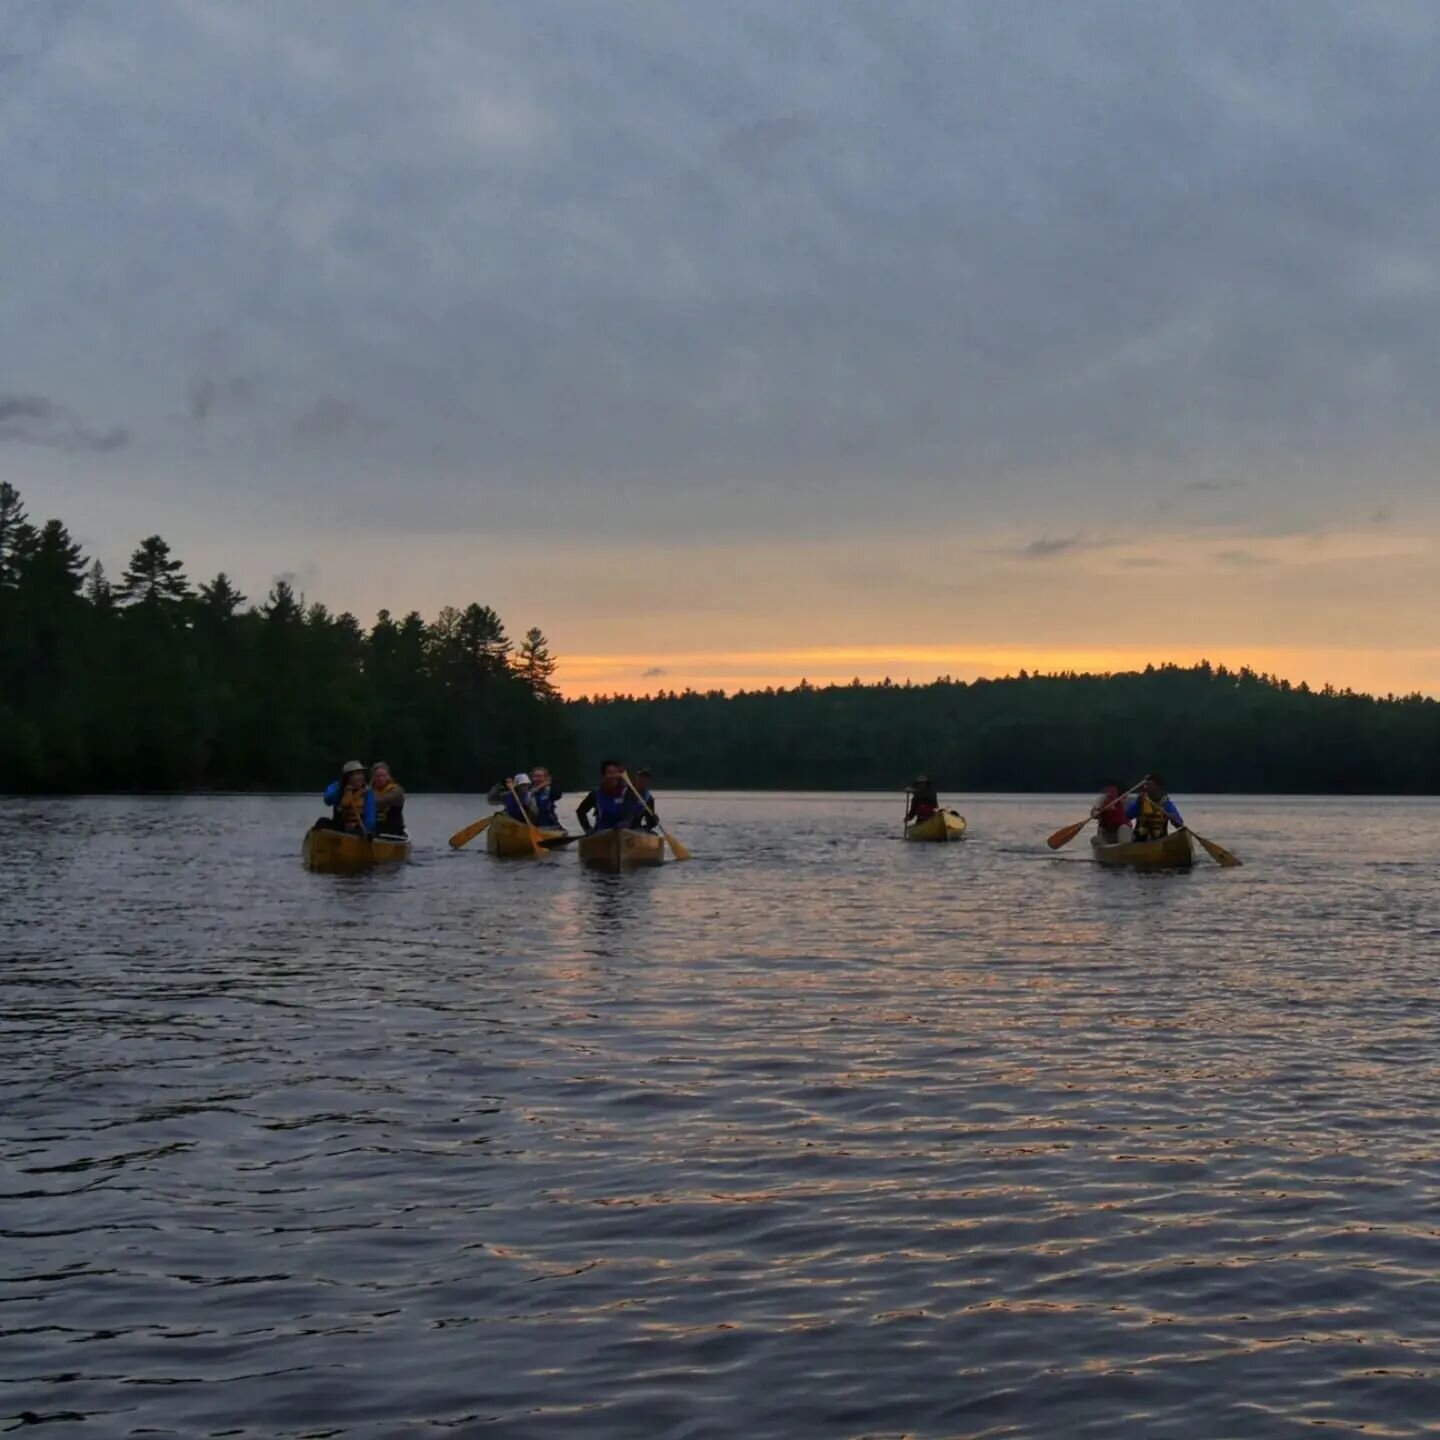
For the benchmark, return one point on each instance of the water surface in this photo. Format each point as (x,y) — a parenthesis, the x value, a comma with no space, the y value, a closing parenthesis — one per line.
(819,1135)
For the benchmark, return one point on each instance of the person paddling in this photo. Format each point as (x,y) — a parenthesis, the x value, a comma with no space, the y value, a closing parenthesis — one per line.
(545,794)
(649,817)
(1109,811)
(519,803)
(924,800)
(351,800)
(1152,811)
(389,800)
(610,802)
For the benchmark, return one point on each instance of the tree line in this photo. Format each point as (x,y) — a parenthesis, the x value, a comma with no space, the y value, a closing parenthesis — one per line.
(1206,728)
(155,683)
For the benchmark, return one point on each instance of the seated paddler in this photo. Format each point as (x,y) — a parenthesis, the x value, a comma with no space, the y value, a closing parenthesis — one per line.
(519,802)
(1109,812)
(545,794)
(924,800)
(649,816)
(389,800)
(611,802)
(351,801)
(1151,811)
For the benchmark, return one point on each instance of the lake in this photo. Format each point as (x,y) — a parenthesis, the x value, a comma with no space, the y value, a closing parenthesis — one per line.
(820,1135)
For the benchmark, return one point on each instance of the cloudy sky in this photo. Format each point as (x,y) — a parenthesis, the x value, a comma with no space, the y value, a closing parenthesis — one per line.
(732,341)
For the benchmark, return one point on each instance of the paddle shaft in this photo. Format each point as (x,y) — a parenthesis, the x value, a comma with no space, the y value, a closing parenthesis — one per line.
(676,848)
(529,823)
(1067,833)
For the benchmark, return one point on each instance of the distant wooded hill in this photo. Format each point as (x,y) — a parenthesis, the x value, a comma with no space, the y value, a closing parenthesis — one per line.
(1205,728)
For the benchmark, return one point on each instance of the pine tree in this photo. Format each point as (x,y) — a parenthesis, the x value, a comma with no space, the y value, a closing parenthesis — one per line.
(54,569)
(482,639)
(17,535)
(281,607)
(152,578)
(535,665)
(98,591)
(220,601)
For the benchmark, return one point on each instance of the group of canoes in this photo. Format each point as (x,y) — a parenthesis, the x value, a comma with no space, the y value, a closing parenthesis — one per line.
(618,821)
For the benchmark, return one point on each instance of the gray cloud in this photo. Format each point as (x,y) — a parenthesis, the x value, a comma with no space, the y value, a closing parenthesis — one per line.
(813,261)
(1213,487)
(1242,559)
(654,672)
(1047,549)
(326,417)
(34,420)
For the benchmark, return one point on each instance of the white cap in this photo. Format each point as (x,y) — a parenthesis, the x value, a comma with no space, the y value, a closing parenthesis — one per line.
(521,779)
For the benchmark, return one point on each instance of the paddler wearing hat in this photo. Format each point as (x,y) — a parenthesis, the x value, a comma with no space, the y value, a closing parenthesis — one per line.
(519,804)
(351,800)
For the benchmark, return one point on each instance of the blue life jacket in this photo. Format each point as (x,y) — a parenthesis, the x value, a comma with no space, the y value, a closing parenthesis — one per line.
(514,809)
(545,808)
(613,812)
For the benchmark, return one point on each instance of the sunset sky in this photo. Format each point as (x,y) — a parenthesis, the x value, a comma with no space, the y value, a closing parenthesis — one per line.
(732,342)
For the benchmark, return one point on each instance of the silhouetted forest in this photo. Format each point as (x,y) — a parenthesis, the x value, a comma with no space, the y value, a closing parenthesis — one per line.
(1205,728)
(154,683)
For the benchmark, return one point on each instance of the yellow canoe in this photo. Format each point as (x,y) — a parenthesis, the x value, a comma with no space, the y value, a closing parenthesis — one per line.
(943,825)
(343,852)
(617,849)
(510,840)
(1172,853)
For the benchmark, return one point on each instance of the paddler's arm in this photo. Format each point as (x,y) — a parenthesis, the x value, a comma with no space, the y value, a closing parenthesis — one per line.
(584,810)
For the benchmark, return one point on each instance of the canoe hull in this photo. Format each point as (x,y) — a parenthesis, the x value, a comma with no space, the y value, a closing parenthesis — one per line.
(942,826)
(621,849)
(1174,852)
(342,853)
(508,839)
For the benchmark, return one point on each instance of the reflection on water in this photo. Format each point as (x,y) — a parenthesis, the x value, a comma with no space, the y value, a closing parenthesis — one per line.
(819,1135)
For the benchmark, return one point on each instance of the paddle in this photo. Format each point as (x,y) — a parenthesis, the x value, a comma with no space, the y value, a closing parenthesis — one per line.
(1065,835)
(1218,853)
(676,848)
(535,844)
(556,841)
(465,836)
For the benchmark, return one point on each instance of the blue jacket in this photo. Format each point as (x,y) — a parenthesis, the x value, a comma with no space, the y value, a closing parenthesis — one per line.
(332,799)
(612,812)
(515,810)
(544,799)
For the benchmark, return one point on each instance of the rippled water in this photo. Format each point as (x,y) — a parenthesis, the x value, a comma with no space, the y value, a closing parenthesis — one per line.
(819,1135)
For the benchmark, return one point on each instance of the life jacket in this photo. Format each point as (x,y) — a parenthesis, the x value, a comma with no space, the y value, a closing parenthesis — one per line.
(924,803)
(515,810)
(613,811)
(352,809)
(1112,813)
(390,810)
(1151,821)
(544,808)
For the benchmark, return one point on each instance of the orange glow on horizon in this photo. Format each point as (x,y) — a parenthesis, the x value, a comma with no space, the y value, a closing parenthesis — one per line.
(1369,671)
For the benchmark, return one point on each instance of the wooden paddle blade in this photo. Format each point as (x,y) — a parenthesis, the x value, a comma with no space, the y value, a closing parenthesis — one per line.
(1065,836)
(556,842)
(676,848)
(465,836)
(1218,853)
